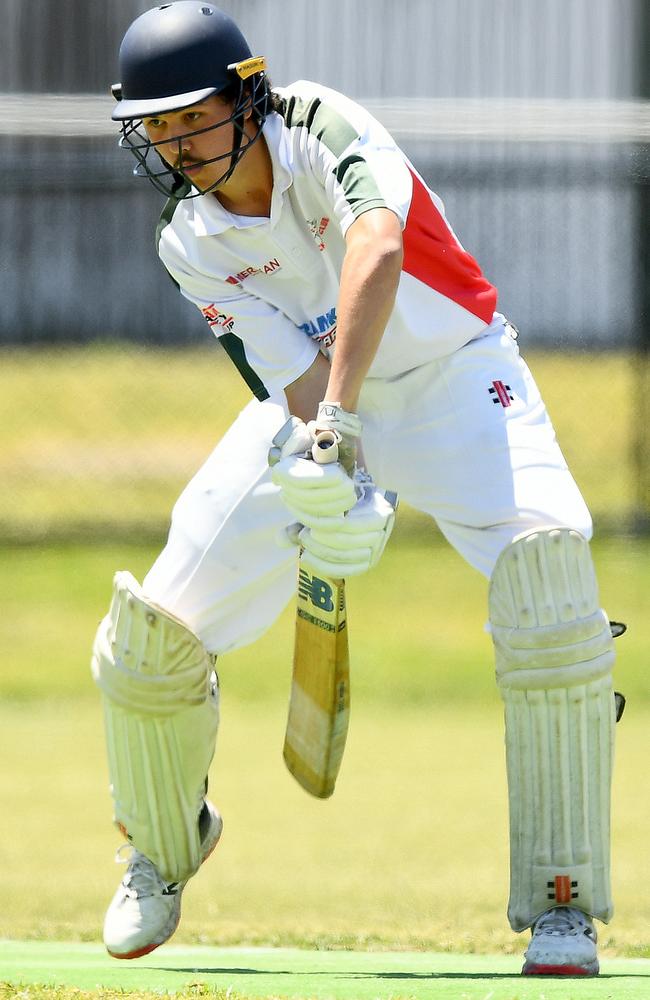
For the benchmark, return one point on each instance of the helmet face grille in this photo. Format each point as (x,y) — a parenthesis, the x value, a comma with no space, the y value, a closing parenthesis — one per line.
(170,178)
(176,56)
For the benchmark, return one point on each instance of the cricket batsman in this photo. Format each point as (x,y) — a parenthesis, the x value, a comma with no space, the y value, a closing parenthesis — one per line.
(329,272)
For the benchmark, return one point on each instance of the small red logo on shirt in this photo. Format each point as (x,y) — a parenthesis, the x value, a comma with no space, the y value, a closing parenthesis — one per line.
(217,318)
(317,228)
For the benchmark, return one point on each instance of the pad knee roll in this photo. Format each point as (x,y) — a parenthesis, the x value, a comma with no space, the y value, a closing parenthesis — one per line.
(161,712)
(554,658)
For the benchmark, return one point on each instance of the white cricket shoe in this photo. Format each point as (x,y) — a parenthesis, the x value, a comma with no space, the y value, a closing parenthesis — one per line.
(145,910)
(563,944)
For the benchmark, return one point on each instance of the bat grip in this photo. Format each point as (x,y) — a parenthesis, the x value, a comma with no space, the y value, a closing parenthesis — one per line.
(325,448)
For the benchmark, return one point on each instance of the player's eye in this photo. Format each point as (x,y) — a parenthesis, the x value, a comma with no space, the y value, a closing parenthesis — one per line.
(154,122)
(193,116)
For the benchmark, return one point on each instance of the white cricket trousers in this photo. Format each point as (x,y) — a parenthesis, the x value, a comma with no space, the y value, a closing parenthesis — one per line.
(466,439)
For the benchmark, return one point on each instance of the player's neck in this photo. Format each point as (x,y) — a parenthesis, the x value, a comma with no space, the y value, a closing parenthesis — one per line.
(248,191)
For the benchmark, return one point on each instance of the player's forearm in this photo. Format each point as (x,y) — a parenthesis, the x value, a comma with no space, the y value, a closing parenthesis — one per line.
(369,280)
(304,395)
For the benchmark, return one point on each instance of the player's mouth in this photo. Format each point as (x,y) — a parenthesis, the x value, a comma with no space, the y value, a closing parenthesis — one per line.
(190,168)
(186,166)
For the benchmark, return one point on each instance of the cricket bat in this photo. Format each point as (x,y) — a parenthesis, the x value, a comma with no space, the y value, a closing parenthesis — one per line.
(319,705)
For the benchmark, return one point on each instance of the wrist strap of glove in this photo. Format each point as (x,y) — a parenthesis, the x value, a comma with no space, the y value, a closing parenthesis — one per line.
(334,417)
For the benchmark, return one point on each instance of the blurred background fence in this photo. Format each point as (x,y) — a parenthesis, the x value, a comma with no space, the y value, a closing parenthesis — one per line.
(529,117)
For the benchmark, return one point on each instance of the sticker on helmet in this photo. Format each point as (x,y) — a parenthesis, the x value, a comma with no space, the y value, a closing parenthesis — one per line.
(247,67)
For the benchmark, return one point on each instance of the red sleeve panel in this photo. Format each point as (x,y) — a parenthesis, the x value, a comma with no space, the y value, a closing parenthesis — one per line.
(433,255)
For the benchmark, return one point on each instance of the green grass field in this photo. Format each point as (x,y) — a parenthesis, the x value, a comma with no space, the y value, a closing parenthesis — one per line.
(109,434)
(409,855)
(397,886)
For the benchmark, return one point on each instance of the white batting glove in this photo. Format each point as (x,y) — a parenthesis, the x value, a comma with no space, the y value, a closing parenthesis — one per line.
(310,490)
(350,545)
(332,416)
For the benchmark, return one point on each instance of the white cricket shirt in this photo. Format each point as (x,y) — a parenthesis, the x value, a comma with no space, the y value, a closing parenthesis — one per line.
(268,287)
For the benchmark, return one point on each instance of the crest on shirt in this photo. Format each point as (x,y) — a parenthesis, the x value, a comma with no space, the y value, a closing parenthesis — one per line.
(217,318)
(317,227)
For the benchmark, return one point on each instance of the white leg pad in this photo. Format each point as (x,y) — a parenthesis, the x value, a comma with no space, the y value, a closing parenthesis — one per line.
(554,658)
(161,711)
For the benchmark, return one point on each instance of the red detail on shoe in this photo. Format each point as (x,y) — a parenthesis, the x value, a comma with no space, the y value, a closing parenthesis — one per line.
(556,970)
(563,889)
(433,255)
(123,830)
(139,952)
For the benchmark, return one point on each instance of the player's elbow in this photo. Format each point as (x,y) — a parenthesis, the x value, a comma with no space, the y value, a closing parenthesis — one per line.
(389,252)
(385,261)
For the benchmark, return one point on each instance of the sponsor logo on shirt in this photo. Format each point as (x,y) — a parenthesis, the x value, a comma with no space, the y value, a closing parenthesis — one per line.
(322,328)
(317,227)
(270,267)
(217,318)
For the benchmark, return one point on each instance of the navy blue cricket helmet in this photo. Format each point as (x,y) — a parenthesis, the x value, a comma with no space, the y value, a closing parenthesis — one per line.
(177,55)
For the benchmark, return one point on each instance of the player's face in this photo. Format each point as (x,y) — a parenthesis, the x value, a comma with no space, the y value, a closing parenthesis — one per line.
(183,144)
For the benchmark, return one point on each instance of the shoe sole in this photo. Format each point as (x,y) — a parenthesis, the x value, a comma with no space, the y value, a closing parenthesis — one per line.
(139,952)
(536,969)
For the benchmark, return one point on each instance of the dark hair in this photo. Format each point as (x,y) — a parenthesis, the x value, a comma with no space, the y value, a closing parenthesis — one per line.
(230,95)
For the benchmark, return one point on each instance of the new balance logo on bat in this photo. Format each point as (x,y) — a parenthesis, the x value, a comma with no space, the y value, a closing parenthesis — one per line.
(315,590)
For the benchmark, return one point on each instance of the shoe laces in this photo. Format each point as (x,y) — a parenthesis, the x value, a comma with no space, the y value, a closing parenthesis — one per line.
(564,920)
(142,878)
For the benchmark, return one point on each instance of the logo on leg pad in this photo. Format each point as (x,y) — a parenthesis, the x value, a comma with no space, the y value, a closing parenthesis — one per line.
(563,887)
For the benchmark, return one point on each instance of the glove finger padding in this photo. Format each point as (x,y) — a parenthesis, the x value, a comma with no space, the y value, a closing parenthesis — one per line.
(354,545)
(313,490)
(293,438)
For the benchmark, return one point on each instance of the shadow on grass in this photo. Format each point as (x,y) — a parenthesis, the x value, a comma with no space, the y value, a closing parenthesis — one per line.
(391,975)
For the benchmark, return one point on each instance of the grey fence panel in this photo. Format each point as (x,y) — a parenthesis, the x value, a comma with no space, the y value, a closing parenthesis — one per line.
(78,260)
(471,48)
(551,225)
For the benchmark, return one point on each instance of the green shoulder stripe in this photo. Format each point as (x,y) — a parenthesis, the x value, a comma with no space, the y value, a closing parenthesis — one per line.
(323,122)
(361,191)
(336,133)
(234,348)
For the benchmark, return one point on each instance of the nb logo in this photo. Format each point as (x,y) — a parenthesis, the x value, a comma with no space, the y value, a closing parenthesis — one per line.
(315,590)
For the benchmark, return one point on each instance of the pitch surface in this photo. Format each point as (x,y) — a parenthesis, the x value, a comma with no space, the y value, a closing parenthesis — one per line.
(292,973)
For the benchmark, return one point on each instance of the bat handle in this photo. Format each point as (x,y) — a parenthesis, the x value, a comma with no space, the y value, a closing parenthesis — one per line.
(325,448)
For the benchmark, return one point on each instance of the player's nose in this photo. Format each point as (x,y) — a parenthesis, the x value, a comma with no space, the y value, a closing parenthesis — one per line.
(181,151)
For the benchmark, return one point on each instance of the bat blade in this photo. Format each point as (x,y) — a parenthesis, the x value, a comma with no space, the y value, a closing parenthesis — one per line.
(319,705)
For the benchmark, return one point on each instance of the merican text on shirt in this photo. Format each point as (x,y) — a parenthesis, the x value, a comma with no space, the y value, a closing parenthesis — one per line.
(269,268)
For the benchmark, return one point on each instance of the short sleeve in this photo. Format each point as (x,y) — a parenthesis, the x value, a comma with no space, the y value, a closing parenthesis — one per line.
(351,154)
